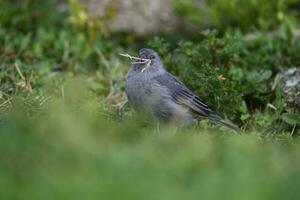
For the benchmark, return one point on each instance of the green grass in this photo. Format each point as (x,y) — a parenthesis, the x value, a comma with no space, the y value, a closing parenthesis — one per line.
(69,154)
(65,133)
(64,154)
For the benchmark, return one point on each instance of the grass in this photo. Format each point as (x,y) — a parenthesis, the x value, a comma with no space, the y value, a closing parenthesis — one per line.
(68,154)
(65,132)
(64,155)
(73,146)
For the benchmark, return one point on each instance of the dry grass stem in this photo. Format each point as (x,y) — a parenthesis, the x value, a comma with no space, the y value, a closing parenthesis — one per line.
(139,60)
(24,83)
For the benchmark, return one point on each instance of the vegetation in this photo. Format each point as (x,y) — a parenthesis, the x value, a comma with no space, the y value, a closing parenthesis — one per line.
(66,132)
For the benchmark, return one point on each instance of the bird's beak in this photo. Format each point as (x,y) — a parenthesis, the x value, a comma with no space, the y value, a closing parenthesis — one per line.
(145,61)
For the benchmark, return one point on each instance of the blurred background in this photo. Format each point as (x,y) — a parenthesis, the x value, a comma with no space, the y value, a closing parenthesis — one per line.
(66,131)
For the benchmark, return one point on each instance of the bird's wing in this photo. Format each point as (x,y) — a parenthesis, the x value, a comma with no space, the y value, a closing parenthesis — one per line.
(183,96)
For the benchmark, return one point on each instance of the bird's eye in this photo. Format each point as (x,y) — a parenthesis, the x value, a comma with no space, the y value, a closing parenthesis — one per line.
(152,57)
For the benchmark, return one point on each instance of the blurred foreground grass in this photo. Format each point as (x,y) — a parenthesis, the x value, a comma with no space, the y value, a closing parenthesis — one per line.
(62,155)
(71,149)
(66,154)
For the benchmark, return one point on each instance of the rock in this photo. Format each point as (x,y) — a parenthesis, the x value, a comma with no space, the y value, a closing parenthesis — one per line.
(290,86)
(138,16)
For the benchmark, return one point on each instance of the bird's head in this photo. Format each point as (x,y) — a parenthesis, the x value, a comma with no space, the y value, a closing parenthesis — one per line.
(149,58)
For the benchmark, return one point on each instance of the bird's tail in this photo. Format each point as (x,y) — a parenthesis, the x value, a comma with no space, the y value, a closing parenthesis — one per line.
(229,125)
(216,118)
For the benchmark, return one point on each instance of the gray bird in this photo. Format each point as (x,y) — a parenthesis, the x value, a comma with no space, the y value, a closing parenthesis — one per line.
(153,91)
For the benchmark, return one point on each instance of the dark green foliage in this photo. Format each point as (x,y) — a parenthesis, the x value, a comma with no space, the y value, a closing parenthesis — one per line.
(247,15)
(25,16)
(233,73)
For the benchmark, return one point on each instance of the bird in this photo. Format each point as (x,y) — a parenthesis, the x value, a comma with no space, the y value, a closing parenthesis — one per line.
(151,90)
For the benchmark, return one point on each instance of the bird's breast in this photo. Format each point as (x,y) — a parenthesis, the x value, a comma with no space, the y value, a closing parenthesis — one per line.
(142,92)
(148,96)
(137,90)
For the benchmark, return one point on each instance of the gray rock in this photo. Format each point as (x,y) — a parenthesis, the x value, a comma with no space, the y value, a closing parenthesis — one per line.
(290,86)
(139,16)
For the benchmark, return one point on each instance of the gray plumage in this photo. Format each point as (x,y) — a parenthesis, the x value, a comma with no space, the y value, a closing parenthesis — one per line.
(153,91)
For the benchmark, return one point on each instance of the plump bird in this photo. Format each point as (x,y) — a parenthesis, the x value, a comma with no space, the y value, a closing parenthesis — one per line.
(153,91)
